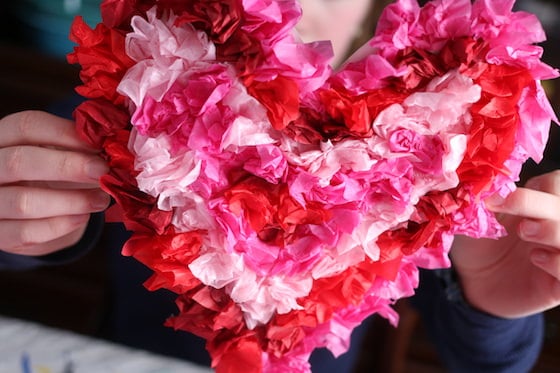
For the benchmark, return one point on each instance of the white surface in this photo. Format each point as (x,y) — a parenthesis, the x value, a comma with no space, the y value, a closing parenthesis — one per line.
(31,348)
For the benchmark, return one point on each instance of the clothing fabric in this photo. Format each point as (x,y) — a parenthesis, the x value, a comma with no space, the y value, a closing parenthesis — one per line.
(466,339)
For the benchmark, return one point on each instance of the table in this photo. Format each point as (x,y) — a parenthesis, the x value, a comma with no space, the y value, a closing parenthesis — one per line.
(27,347)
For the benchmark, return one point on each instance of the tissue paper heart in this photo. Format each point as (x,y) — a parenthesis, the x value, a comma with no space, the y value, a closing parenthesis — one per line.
(284,202)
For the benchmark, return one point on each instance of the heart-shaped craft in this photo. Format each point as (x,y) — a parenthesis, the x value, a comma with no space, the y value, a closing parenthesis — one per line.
(285,202)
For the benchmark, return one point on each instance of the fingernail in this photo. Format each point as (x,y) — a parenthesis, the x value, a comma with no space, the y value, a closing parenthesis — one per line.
(97,168)
(100,201)
(540,257)
(530,228)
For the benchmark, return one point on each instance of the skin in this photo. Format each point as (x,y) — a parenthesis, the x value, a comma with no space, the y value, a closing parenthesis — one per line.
(48,183)
(49,187)
(519,274)
(339,21)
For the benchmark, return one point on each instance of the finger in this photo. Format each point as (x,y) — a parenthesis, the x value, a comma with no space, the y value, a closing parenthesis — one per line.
(548,285)
(21,233)
(544,232)
(57,184)
(549,183)
(527,203)
(40,128)
(547,260)
(35,203)
(51,246)
(29,163)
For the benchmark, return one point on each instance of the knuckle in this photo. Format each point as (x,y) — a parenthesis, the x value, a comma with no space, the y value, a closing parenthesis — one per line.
(26,123)
(13,162)
(63,165)
(21,202)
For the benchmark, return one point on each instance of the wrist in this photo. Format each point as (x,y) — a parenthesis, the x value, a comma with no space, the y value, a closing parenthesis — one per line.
(455,292)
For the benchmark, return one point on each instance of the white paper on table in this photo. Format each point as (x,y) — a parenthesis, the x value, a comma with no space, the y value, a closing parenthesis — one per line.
(27,347)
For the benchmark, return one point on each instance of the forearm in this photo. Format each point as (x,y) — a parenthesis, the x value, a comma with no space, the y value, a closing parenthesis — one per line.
(87,242)
(468,340)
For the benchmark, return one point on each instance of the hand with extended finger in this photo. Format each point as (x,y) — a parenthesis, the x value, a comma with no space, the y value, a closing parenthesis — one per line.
(49,183)
(519,274)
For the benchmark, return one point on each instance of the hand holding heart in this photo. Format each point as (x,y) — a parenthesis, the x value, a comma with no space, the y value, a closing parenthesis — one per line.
(519,274)
(49,183)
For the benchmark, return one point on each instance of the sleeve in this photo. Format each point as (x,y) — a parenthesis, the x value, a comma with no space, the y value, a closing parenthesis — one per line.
(468,340)
(90,238)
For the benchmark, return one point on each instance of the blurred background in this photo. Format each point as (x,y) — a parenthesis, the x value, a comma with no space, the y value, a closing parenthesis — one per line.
(44,24)
(77,297)
(34,43)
